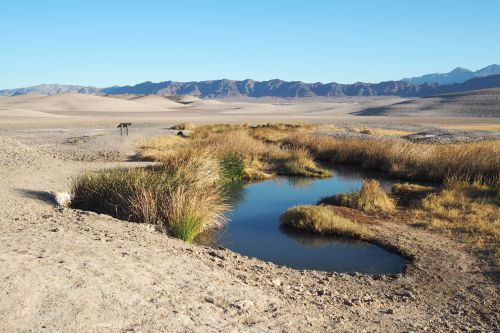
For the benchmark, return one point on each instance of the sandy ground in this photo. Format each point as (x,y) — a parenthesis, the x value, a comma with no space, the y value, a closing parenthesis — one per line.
(84,110)
(67,270)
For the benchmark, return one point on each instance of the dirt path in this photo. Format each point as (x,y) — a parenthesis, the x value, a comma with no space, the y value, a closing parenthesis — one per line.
(65,270)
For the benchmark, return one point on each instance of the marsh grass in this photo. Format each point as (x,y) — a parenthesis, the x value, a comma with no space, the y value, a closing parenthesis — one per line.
(370,198)
(257,147)
(182,196)
(407,160)
(321,220)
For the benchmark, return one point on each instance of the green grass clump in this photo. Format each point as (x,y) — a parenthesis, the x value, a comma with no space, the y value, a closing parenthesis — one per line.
(321,220)
(232,166)
(182,196)
(298,162)
(370,198)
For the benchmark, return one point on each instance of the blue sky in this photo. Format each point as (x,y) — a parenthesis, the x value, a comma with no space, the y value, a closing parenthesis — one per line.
(109,42)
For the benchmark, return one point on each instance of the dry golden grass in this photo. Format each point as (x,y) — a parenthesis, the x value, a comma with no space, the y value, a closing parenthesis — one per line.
(182,196)
(411,194)
(469,211)
(487,127)
(381,131)
(406,159)
(258,150)
(370,198)
(321,220)
(160,147)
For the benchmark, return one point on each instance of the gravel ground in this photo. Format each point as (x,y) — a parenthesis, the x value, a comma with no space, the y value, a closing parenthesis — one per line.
(443,136)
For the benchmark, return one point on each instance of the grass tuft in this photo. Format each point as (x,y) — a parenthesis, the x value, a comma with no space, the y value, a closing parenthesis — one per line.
(182,196)
(370,198)
(321,220)
(232,166)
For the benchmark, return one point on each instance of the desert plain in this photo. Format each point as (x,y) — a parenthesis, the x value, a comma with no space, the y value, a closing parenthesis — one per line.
(69,270)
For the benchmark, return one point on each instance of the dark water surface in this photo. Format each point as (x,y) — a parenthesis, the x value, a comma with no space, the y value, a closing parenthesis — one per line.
(254,228)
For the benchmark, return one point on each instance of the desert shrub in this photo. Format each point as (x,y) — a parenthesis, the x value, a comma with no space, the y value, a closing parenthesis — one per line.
(370,198)
(321,220)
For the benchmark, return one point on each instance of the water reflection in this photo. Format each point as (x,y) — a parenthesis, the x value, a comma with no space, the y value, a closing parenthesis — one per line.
(254,228)
(311,240)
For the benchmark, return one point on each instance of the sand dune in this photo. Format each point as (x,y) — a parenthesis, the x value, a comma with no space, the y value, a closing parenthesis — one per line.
(76,102)
(125,96)
(184,99)
(156,100)
(479,103)
(208,102)
(22,113)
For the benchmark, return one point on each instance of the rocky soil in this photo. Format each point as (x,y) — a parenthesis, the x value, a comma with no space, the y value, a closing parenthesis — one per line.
(68,270)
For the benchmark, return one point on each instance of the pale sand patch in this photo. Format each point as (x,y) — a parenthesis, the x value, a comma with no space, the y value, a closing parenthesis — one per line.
(76,103)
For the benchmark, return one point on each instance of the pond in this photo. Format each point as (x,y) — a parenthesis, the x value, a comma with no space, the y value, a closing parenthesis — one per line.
(254,229)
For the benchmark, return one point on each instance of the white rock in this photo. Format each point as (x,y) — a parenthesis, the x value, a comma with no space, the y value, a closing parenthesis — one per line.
(63,199)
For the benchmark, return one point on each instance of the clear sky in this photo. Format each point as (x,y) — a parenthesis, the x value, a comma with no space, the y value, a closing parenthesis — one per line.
(108,42)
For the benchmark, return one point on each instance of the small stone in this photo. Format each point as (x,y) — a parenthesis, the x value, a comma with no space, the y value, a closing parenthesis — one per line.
(243,305)
(63,199)
(277,282)
(408,294)
(389,311)
(56,229)
(348,302)
(320,292)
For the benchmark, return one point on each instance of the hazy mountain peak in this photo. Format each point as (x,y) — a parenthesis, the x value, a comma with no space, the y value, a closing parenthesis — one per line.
(460,70)
(457,75)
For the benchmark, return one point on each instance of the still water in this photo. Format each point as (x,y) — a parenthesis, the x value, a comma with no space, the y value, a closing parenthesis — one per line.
(254,229)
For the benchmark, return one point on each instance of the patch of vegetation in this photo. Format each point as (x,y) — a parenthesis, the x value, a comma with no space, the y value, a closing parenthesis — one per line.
(410,194)
(321,220)
(182,196)
(407,160)
(259,156)
(370,198)
(470,211)
(232,166)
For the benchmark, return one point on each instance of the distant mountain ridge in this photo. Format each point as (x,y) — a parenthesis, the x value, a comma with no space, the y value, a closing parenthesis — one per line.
(458,75)
(272,88)
(51,89)
(297,89)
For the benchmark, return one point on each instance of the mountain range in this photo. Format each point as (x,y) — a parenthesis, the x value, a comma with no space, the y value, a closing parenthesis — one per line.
(458,75)
(284,89)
